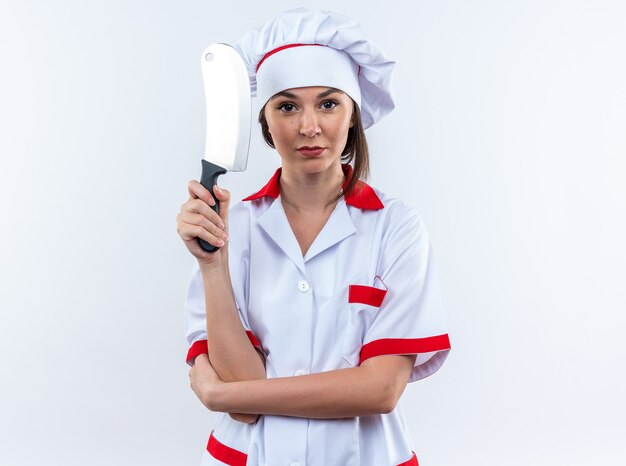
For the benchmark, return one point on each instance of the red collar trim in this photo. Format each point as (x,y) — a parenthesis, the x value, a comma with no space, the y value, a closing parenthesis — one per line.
(362,196)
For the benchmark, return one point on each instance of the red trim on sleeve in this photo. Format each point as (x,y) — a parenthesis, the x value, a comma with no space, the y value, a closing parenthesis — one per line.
(224,453)
(201,347)
(366,295)
(411,462)
(404,346)
(197,348)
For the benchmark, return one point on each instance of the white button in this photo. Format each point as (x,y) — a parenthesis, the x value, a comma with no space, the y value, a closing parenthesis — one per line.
(300,372)
(303,286)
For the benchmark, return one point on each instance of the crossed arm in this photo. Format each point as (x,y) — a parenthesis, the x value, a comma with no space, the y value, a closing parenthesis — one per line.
(372,388)
(232,377)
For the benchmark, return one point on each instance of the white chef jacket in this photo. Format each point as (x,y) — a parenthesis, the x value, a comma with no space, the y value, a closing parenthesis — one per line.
(367,286)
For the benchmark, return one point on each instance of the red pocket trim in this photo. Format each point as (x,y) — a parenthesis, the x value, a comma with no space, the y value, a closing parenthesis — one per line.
(224,453)
(411,462)
(366,295)
(253,339)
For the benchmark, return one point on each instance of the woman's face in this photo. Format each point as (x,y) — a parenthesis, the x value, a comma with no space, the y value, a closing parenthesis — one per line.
(309,117)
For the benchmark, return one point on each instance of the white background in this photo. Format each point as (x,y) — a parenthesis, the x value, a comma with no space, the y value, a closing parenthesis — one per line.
(509,137)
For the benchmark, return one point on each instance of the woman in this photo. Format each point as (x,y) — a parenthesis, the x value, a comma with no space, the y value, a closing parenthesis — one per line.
(323,303)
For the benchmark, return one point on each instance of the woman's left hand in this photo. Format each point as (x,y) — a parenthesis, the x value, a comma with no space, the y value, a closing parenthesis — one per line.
(205,381)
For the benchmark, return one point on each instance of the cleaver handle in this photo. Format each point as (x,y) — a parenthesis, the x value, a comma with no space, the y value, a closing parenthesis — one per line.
(210,172)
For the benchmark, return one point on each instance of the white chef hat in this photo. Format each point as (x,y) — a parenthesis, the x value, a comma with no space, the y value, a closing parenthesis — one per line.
(302,47)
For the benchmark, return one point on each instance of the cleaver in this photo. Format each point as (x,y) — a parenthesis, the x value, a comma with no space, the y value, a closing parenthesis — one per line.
(228,109)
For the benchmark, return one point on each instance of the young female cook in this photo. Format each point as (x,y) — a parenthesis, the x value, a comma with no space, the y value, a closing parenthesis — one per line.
(323,300)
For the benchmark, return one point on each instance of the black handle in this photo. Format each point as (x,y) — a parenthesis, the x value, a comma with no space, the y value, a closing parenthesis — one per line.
(210,172)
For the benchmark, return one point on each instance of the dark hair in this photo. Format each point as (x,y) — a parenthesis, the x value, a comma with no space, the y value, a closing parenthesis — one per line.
(355,149)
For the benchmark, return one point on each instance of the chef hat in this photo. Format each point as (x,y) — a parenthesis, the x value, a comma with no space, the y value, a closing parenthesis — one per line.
(302,47)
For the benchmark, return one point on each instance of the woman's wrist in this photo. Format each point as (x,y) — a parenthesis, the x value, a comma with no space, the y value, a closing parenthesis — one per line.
(215,396)
(214,267)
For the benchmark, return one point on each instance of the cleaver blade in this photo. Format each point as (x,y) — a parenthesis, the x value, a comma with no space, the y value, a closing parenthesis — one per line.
(228,117)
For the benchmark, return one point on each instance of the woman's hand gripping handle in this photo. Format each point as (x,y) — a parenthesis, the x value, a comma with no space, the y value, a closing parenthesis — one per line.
(204,217)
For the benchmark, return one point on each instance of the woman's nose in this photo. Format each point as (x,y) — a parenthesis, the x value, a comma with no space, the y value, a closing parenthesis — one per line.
(308,123)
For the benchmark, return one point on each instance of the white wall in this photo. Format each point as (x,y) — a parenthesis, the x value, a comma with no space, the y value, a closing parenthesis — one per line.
(509,138)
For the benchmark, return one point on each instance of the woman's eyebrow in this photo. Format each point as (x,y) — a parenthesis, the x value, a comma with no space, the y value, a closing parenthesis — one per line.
(293,96)
(284,94)
(328,92)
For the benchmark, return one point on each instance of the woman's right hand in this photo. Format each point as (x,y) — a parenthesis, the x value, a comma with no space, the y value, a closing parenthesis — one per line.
(197,219)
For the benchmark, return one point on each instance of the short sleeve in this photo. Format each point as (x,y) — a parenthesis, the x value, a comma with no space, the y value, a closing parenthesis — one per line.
(410,319)
(195,318)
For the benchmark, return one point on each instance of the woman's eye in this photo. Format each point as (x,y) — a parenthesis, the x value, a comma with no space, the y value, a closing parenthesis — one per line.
(332,102)
(282,107)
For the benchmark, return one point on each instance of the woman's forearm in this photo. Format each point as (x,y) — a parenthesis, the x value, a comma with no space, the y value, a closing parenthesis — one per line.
(338,393)
(230,352)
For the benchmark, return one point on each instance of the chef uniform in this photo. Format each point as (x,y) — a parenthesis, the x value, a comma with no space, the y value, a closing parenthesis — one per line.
(367,286)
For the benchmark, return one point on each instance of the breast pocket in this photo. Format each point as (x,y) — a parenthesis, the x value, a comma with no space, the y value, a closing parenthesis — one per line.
(364,302)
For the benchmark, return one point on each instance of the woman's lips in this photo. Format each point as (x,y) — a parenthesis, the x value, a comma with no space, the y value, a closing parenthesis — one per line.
(311,152)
